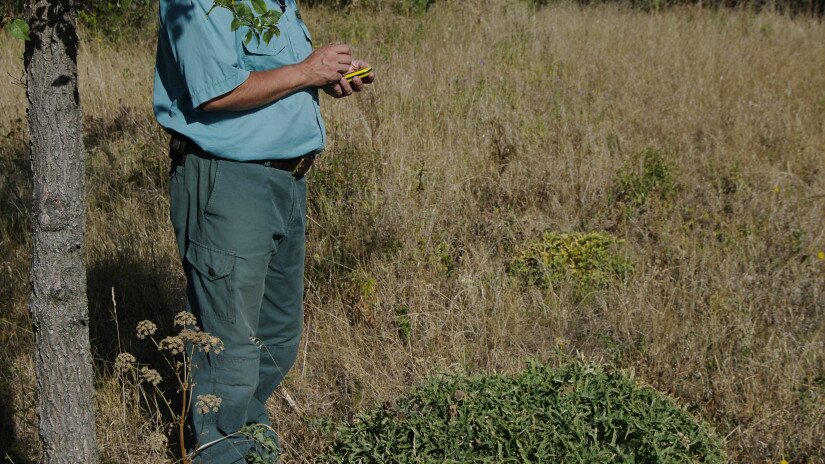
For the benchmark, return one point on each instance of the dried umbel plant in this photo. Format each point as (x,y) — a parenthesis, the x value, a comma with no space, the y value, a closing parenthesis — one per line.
(176,351)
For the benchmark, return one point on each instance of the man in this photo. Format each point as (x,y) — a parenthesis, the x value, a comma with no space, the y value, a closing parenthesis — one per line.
(245,125)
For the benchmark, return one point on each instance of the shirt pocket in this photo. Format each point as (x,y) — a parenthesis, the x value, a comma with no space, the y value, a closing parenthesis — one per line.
(261,56)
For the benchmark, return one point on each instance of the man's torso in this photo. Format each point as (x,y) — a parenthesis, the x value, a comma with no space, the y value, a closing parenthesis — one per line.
(200,58)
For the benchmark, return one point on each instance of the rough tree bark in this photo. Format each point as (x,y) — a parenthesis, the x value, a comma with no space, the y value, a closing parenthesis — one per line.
(58,301)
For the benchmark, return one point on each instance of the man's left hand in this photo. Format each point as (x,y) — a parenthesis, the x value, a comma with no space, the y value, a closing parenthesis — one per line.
(342,88)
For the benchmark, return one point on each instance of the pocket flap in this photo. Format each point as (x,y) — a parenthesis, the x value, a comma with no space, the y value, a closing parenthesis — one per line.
(211,263)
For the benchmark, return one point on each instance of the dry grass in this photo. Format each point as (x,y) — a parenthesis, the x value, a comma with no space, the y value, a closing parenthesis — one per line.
(491,123)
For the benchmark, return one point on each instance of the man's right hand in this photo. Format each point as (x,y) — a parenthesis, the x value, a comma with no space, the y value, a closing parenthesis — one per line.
(327,64)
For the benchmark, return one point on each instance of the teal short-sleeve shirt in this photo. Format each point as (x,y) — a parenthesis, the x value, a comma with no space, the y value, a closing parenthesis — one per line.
(199,58)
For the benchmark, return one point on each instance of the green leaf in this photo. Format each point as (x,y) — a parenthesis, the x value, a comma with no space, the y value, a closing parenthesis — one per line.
(125,3)
(268,34)
(259,6)
(19,29)
(236,23)
(248,37)
(242,10)
(271,17)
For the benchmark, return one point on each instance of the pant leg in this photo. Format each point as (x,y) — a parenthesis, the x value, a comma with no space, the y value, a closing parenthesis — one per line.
(281,320)
(229,218)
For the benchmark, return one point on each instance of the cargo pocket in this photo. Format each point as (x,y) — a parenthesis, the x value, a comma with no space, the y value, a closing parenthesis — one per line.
(235,382)
(211,280)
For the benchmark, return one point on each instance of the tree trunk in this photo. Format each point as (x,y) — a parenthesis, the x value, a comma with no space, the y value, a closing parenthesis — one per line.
(58,302)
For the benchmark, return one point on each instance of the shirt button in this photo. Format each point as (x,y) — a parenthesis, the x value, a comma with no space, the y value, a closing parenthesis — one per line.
(211,272)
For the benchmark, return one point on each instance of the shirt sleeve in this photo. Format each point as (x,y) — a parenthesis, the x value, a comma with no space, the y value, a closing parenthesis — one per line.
(204,48)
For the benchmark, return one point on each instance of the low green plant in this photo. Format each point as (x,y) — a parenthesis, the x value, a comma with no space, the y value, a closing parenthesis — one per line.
(363,296)
(417,6)
(650,175)
(586,259)
(403,322)
(577,412)
(442,255)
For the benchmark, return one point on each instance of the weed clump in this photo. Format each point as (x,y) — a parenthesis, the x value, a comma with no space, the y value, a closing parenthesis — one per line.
(578,412)
(586,259)
(652,175)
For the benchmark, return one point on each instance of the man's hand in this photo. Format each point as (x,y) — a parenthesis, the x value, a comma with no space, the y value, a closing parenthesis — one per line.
(342,88)
(327,65)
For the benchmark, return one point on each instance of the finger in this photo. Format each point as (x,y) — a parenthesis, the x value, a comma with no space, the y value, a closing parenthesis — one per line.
(369,78)
(345,87)
(342,49)
(345,59)
(337,90)
(356,84)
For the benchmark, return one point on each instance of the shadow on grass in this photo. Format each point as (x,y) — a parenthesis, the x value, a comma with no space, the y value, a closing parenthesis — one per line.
(10,449)
(144,289)
(123,290)
(15,199)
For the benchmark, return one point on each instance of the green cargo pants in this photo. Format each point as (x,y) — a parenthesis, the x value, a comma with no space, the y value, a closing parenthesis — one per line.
(240,233)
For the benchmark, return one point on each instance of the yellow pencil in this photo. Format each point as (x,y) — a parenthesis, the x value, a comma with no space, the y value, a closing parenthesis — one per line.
(359,73)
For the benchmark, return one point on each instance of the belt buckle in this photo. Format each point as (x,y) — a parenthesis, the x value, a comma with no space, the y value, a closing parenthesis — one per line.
(302,167)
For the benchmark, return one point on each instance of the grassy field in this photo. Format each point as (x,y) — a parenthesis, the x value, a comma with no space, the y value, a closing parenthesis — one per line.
(695,138)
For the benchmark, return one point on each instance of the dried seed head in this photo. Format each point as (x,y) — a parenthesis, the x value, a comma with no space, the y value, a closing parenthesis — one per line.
(186,319)
(156,442)
(150,375)
(190,336)
(216,343)
(124,362)
(208,403)
(203,340)
(146,329)
(173,345)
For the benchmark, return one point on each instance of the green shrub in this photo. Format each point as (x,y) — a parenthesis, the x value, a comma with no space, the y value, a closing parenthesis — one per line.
(575,413)
(586,259)
(117,20)
(650,175)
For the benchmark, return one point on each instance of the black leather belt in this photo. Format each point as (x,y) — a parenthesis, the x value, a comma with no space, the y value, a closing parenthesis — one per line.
(180,146)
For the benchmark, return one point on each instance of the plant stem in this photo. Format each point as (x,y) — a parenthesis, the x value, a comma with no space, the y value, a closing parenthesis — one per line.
(181,422)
